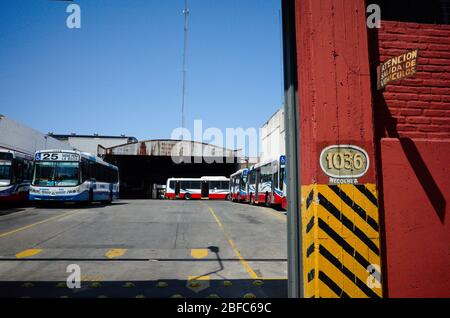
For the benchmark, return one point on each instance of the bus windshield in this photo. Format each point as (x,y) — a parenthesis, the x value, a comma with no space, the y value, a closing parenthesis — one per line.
(5,172)
(56,174)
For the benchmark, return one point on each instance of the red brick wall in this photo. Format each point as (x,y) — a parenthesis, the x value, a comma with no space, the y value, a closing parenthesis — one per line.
(419,106)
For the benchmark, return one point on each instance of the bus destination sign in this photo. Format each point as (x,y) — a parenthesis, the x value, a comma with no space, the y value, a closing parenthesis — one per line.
(57,156)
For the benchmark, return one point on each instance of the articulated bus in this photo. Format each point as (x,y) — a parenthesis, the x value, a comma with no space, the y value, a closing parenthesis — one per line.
(73,176)
(216,188)
(267,183)
(238,186)
(15,175)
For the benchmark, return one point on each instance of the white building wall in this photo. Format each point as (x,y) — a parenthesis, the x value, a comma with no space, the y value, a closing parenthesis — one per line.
(273,137)
(18,137)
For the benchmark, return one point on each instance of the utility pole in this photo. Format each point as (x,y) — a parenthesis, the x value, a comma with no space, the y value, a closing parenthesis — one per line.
(186,20)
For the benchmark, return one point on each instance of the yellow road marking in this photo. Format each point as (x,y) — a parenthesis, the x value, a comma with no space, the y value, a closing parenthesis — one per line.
(198,278)
(40,222)
(116,252)
(199,252)
(28,253)
(244,263)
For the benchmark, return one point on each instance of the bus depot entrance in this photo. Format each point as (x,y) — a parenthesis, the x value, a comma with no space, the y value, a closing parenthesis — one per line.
(147,165)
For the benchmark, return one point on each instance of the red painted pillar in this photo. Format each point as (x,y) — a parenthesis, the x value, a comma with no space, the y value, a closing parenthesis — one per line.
(341,234)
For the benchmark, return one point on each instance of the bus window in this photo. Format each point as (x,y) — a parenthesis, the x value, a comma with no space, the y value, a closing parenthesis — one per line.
(183,184)
(172,184)
(18,170)
(5,173)
(275,178)
(56,174)
(67,174)
(44,173)
(225,185)
(214,185)
(85,172)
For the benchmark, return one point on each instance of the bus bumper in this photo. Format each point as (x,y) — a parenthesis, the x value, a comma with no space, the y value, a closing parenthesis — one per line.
(84,196)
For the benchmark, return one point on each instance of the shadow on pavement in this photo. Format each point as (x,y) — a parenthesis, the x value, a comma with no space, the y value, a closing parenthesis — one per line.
(237,288)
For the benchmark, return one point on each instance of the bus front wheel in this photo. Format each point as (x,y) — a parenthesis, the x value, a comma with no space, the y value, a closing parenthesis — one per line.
(187,196)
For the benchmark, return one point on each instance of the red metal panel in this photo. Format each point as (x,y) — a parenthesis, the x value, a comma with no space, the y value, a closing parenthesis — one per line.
(417,220)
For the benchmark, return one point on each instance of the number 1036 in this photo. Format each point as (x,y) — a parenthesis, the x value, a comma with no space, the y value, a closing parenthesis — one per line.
(344,160)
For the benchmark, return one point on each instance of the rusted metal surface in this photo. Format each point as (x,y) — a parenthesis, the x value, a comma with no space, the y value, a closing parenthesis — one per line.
(169,147)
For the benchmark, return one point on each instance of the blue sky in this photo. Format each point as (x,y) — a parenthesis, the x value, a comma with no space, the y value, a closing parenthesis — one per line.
(121,72)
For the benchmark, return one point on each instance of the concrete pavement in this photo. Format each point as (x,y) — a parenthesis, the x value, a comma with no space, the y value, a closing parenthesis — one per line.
(144,242)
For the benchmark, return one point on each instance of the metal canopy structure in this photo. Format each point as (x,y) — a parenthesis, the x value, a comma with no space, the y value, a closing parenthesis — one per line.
(170,147)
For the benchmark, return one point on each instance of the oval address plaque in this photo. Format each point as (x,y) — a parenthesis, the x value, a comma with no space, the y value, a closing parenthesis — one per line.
(344,161)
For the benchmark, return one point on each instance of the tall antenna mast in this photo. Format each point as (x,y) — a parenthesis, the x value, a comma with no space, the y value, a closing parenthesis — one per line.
(186,20)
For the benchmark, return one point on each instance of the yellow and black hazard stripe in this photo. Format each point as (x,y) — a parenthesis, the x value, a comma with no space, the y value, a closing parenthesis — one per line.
(341,241)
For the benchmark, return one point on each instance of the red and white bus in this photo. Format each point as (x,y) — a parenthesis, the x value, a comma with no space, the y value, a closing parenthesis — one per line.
(215,188)
(15,175)
(238,186)
(267,183)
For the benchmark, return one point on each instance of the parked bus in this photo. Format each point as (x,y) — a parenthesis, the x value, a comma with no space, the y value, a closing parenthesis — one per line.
(267,183)
(216,188)
(238,186)
(15,175)
(73,176)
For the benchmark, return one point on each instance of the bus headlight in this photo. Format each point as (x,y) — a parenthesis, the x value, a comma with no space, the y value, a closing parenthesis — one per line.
(72,191)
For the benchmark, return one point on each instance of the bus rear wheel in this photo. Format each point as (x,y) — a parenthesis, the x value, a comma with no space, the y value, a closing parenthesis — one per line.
(187,196)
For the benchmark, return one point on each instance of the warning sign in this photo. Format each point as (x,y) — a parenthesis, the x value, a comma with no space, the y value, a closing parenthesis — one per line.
(397,68)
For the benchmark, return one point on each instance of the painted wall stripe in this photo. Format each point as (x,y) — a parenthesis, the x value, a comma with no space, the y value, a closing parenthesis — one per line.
(310,250)
(310,225)
(309,199)
(311,275)
(343,243)
(348,224)
(347,272)
(355,207)
(369,195)
(332,285)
